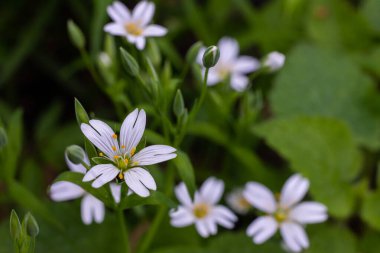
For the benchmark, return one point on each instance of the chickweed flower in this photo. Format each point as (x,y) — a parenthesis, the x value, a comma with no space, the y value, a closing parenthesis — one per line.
(230,65)
(134,26)
(284,213)
(274,61)
(237,202)
(92,209)
(203,211)
(124,163)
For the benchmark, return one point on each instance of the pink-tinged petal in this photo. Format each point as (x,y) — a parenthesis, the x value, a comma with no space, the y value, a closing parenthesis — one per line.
(245,64)
(294,236)
(262,229)
(212,190)
(92,209)
(62,191)
(229,50)
(132,130)
(183,195)
(239,82)
(99,170)
(154,154)
(309,212)
(143,13)
(293,191)
(115,29)
(155,31)
(139,180)
(260,197)
(181,217)
(116,192)
(202,228)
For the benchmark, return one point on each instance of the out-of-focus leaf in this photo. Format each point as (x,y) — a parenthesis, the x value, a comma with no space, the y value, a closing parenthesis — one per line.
(155,198)
(369,242)
(80,113)
(15,225)
(47,122)
(312,83)
(323,150)
(76,35)
(370,209)
(100,193)
(370,9)
(185,170)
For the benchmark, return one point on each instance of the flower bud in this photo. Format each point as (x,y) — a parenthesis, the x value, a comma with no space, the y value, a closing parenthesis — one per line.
(274,61)
(80,113)
(130,64)
(75,154)
(76,35)
(32,228)
(178,104)
(15,226)
(211,56)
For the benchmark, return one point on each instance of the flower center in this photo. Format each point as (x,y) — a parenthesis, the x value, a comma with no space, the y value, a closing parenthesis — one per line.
(201,210)
(133,29)
(243,202)
(281,214)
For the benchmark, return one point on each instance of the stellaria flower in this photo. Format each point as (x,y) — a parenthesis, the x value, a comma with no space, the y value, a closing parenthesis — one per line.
(285,214)
(134,26)
(203,211)
(125,163)
(274,61)
(237,202)
(92,209)
(230,64)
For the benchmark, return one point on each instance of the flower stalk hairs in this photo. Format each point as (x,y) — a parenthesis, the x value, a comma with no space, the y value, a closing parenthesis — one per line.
(121,158)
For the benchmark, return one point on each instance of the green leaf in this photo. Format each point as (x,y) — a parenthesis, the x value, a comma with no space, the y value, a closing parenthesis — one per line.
(80,113)
(371,208)
(101,193)
(100,160)
(192,53)
(312,83)
(75,34)
(369,242)
(155,198)
(370,9)
(90,149)
(129,62)
(15,225)
(151,70)
(185,170)
(3,138)
(323,150)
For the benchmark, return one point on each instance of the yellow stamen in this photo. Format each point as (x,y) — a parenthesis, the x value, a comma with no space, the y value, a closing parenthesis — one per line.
(120,176)
(101,154)
(115,156)
(133,29)
(122,146)
(113,148)
(133,150)
(126,161)
(244,203)
(281,215)
(201,210)
(114,136)
(135,163)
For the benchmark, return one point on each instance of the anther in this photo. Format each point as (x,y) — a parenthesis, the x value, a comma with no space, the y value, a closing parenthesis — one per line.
(114,136)
(133,150)
(113,148)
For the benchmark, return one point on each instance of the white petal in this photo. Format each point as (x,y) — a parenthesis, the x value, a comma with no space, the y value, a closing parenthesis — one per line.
(229,50)
(239,82)
(260,197)
(294,236)
(132,130)
(92,209)
(202,228)
(106,133)
(213,77)
(77,167)
(140,43)
(212,190)
(116,192)
(106,177)
(294,190)
(224,216)
(62,191)
(262,229)
(119,12)
(246,64)
(210,225)
(237,202)
(143,12)
(154,154)
(181,217)
(115,29)
(139,180)
(99,170)
(199,59)
(274,61)
(155,31)
(309,212)
(183,195)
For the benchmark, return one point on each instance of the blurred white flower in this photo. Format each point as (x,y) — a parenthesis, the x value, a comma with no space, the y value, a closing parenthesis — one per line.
(274,61)
(203,211)
(134,26)
(92,209)
(230,65)
(105,59)
(237,202)
(285,214)
(124,163)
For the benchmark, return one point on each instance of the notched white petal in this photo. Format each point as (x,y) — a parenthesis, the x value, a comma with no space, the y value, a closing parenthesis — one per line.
(154,154)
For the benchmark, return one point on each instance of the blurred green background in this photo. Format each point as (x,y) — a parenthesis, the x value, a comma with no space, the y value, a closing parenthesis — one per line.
(321,115)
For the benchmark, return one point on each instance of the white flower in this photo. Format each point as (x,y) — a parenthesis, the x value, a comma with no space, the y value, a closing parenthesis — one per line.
(285,214)
(134,26)
(274,61)
(237,202)
(124,161)
(230,64)
(203,211)
(92,209)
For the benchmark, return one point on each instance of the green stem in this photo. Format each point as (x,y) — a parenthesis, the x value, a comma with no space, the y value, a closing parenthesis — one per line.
(123,231)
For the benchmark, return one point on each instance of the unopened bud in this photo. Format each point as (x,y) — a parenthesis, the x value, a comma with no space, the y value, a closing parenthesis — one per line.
(211,56)
(32,227)
(15,226)
(129,62)
(75,154)
(274,61)
(178,104)
(76,35)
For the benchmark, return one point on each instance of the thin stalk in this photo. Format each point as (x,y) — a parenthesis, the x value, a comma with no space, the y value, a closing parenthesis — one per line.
(123,231)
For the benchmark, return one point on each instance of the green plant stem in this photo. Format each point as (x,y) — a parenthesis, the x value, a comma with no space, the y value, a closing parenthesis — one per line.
(87,61)
(123,231)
